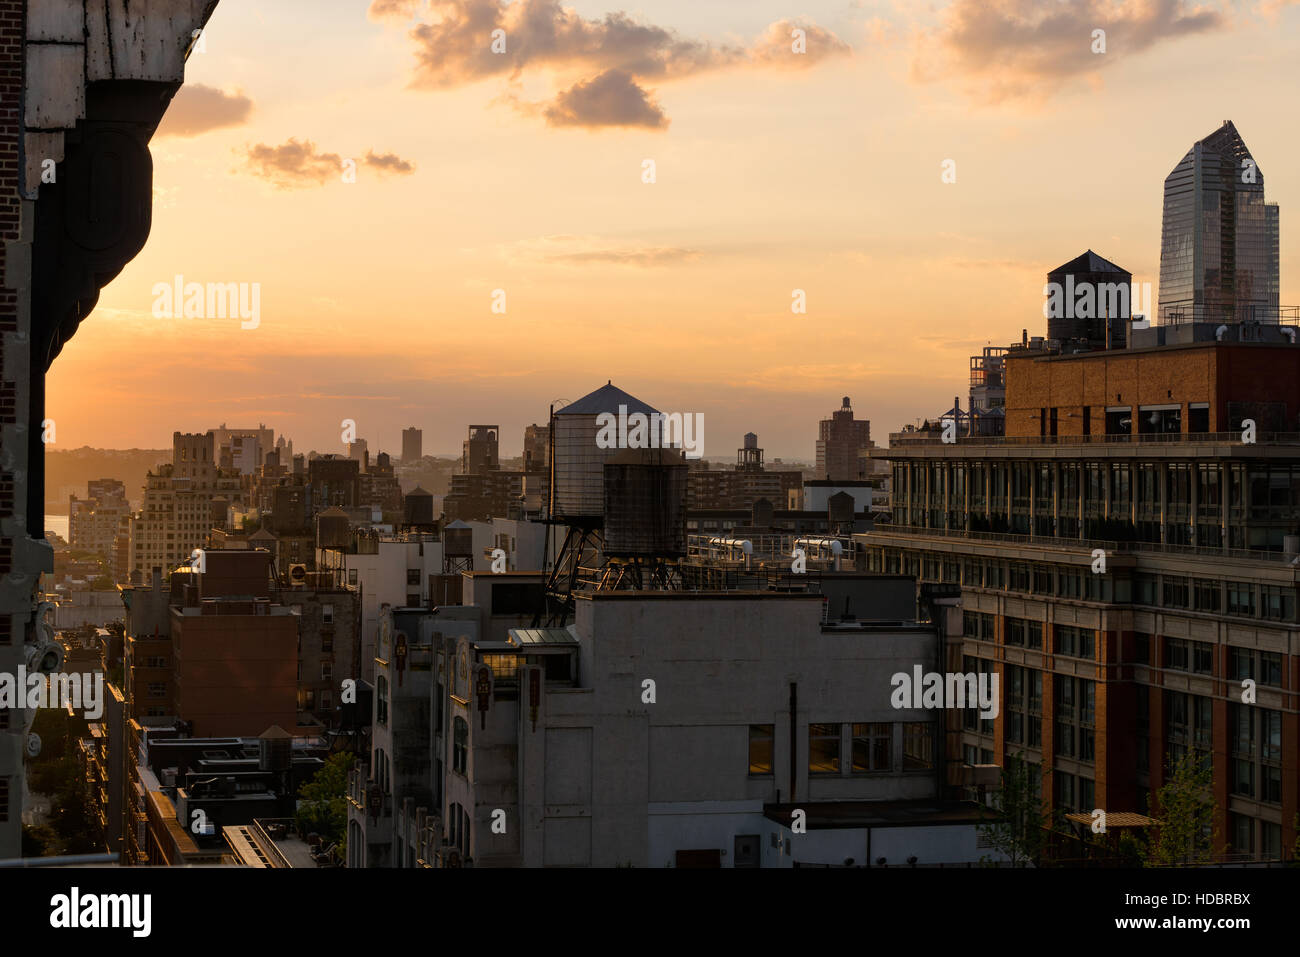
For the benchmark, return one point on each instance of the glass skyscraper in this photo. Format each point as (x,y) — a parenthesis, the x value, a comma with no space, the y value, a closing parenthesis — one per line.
(1219,243)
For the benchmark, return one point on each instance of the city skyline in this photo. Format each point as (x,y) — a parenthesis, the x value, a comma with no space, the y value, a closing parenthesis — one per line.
(586,252)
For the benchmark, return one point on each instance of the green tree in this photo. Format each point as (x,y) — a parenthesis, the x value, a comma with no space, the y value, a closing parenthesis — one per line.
(1185,808)
(1020,828)
(322,801)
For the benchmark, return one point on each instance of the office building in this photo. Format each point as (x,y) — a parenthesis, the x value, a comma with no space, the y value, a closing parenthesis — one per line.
(1219,256)
(1126,558)
(412,445)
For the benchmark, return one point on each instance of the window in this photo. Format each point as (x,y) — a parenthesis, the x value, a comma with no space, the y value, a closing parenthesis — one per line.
(1206,594)
(413,576)
(4,799)
(1024,634)
(1241,599)
(327,614)
(824,748)
(1188,720)
(460,746)
(1176,654)
(761,737)
(352,576)
(1277,602)
(1075,642)
(326,670)
(918,746)
(504,667)
(871,747)
(1142,648)
(1175,592)
(1256,739)
(381,699)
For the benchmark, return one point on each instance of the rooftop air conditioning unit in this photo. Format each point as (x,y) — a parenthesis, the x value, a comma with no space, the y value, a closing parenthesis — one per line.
(298,574)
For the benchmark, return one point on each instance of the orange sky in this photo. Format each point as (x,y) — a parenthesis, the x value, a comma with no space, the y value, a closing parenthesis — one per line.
(775,171)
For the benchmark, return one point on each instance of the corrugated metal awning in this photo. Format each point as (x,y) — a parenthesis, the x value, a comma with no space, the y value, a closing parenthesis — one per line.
(520,637)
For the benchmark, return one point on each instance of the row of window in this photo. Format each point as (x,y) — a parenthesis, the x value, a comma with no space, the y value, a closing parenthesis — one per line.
(1236,598)
(1068,640)
(856,748)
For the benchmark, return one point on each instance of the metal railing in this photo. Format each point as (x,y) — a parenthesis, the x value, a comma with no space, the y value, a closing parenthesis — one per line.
(1232,438)
(1085,544)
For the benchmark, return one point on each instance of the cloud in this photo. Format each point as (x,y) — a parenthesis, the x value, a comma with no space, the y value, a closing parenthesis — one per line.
(388,163)
(196,109)
(293,163)
(568,250)
(611,99)
(392,9)
(776,46)
(1028,49)
(605,61)
(296,164)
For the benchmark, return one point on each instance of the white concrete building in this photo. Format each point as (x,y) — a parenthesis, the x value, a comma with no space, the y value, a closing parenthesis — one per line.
(662,729)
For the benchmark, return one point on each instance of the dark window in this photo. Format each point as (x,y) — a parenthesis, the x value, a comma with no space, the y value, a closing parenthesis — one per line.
(918,746)
(1087,420)
(517,599)
(460,746)
(1198,418)
(871,746)
(824,748)
(761,737)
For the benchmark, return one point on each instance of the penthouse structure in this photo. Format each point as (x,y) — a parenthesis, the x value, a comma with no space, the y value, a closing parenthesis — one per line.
(1177,461)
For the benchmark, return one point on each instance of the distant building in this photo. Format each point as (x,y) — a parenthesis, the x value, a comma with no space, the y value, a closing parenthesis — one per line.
(93,521)
(1219,256)
(739,487)
(242,449)
(335,481)
(412,445)
(178,511)
(480,450)
(839,439)
(537,448)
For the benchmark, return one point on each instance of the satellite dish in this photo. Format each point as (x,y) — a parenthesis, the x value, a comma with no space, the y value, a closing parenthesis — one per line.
(33,745)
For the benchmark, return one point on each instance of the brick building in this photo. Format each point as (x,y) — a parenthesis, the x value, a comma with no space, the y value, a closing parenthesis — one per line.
(1107,673)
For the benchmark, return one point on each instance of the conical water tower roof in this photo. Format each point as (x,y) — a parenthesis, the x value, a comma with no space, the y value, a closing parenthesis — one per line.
(607,398)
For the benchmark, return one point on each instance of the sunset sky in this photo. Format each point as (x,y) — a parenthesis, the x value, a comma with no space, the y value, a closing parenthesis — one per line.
(775,171)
